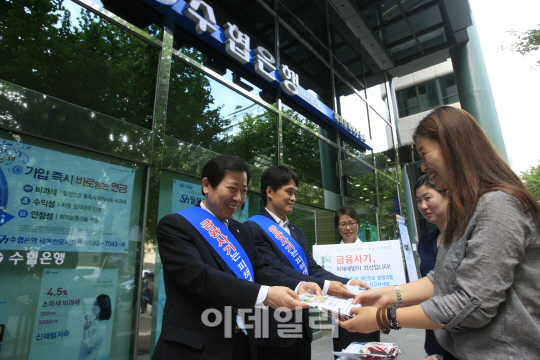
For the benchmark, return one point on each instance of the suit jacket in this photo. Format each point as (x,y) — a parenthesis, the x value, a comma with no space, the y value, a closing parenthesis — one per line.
(273,255)
(196,279)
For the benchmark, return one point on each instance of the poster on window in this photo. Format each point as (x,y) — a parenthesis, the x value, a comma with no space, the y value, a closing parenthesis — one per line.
(74,321)
(62,202)
(3,320)
(377,264)
(407,248)
(186,194)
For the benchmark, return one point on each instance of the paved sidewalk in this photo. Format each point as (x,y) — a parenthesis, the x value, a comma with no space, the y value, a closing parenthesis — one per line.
(410,342)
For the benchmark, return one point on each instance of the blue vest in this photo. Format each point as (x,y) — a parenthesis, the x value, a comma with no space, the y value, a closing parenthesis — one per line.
(288,246)
(221,240)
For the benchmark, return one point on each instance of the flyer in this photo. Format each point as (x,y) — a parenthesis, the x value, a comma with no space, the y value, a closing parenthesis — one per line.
(62,201)
(73,321)
(333,306)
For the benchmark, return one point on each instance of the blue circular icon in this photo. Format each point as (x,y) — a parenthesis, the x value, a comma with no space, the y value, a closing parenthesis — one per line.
(25,200)
(23,213)
(28,188)
(17,170)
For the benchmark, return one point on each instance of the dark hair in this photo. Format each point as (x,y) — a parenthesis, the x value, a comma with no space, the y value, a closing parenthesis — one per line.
(473,165)
(275,176)
(424,181)
(104,303)
(215,169)
(346,210)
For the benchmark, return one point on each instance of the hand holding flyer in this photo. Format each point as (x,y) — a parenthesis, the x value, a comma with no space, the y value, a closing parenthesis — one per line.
(333,306)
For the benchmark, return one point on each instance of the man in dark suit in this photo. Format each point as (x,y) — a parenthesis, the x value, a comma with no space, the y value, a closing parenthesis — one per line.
(205,284)
(278,191)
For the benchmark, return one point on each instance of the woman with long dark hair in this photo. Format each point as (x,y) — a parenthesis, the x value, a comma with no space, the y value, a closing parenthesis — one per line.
(483,297)
(433,206)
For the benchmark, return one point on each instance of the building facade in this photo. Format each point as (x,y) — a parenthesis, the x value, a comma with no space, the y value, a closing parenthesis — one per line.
(109,109)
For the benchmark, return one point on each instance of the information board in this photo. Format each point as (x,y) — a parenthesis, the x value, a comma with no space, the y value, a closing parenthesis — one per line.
(407,248)
(62,201)
(74,322)
(377,264)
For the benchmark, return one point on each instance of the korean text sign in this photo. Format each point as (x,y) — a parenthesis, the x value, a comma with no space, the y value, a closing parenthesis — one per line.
(74,322)
(378,263)
(57,202)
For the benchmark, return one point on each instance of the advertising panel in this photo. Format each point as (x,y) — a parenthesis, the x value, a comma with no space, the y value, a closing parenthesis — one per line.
(186,194)
(61,201)
(407,249)
(74,322)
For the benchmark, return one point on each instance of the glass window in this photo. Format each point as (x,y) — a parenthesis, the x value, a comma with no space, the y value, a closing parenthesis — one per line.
(428,95)
(387,190)
(426,19)
(381,133)
(433,39)
(375,98)
(360,182)
(49,49)
(308,19)
(449,91)
(138,14)
(307,218)
(354,110)
(381,13)
(404,51)
(388,232)
(394,32)
(208,114)
(75,218)
(302,153)
(313,74)
(409,5)
(407,102)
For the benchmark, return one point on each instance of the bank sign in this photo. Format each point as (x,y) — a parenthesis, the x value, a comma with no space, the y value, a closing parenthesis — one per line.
(198,18)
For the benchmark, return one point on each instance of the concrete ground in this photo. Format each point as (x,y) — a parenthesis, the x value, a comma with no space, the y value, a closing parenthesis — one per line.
(409,341)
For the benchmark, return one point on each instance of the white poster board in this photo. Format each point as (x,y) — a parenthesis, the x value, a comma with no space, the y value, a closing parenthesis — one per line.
(407,249)
(70,323)
(376,263)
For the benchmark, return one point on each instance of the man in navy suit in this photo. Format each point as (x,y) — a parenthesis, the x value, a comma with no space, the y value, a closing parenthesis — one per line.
(279,185)
(210,268)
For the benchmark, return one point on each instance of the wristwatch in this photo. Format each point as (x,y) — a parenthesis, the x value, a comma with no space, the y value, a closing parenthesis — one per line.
(391,314)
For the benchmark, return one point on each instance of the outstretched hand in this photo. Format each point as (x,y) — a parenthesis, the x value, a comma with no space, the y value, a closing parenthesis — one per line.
(364,322)
(338,289)
(283,299)
(374,297)
(309,288)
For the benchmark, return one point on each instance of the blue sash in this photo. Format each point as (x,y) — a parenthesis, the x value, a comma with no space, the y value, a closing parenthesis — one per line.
(221,239)
(288,246)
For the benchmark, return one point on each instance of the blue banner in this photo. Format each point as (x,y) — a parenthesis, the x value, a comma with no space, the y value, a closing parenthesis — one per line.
(288,246)
(221,239)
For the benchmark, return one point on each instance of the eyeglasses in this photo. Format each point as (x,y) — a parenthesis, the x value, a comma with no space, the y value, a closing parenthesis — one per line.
(344,225)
